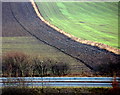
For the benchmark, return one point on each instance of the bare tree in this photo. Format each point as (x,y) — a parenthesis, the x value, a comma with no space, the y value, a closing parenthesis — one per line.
(9,65)
(15,64)
(40,67)
(22,65)
(60,68)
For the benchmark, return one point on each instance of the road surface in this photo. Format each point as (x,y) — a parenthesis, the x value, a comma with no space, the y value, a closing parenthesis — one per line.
(58,81)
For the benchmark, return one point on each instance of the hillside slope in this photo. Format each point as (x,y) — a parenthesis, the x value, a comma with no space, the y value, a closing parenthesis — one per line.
(93,21)
(90,56)
(15,38)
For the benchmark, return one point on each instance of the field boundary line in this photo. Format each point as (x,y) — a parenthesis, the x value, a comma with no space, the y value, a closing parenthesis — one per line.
(88,66)
(100,45)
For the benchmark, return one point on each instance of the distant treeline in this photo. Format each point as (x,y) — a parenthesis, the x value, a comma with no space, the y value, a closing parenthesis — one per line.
(18,64)
(22,65)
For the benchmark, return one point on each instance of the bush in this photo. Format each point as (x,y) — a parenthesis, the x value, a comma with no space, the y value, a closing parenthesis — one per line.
(109,69)
(60,68)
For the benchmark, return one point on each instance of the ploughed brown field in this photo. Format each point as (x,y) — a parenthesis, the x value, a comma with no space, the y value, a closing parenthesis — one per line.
(23,31)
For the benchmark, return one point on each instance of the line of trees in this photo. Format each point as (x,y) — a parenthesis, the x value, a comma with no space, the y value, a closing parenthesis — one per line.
(21,65)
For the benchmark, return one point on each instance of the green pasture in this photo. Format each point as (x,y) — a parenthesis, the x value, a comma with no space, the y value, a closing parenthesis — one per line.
(33,47)
(95,21)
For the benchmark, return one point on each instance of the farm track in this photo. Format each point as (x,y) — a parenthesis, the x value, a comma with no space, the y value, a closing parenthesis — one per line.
(26,17)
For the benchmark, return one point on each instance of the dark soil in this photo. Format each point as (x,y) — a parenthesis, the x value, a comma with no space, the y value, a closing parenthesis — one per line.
(20,19)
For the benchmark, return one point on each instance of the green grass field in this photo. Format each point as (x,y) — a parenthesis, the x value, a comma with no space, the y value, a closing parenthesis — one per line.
(97,22)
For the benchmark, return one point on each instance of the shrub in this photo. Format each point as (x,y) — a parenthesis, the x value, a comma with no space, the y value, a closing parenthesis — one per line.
(60,68)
